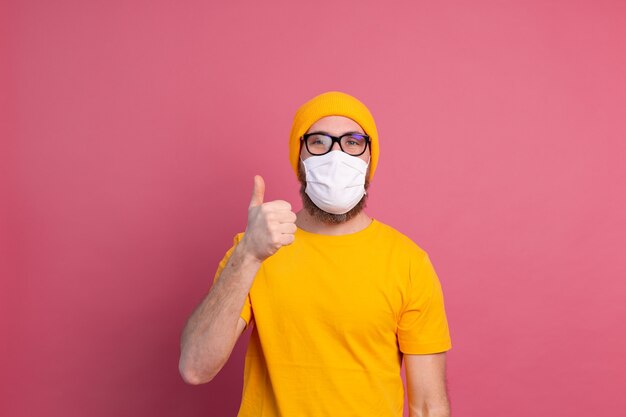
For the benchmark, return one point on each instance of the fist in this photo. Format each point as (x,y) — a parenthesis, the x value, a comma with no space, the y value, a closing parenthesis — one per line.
(270,226)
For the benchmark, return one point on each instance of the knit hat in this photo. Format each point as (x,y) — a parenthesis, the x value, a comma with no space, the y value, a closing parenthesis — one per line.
(332,103)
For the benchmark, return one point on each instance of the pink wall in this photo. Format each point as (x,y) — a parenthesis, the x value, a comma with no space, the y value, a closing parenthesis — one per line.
(131,132)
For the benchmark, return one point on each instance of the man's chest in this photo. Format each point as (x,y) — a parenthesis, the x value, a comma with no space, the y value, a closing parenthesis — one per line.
(338,291)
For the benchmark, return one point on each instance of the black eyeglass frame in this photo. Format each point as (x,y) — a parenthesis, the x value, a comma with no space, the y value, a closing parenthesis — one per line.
(334,139)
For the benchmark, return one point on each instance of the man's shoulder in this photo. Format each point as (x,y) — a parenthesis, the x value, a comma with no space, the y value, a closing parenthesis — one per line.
(401,241)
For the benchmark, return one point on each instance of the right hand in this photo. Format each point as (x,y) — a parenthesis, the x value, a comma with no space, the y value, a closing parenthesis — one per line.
(270,226)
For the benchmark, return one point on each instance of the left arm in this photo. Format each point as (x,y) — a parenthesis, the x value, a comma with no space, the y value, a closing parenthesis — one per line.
(426,385)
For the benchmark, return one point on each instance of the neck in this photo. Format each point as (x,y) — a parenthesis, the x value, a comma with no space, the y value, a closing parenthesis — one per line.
(310,224)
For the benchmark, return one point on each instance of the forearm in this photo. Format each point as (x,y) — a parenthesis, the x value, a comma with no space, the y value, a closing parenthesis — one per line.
(211,331)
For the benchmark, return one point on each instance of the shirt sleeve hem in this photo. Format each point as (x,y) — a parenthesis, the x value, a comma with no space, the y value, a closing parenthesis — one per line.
(424,348)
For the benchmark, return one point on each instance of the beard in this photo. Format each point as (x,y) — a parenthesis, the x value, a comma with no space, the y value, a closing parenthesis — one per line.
(324,216)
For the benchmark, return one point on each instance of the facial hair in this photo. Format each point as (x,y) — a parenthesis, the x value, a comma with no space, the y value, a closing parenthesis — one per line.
(324,216)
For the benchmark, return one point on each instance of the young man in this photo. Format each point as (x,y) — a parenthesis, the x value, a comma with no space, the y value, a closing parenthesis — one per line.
(335,298)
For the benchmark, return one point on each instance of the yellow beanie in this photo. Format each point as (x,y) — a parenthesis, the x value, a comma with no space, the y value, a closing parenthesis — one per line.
(332,103)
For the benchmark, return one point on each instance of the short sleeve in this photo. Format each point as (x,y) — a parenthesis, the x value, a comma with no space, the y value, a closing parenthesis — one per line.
(423,325)
(246,311)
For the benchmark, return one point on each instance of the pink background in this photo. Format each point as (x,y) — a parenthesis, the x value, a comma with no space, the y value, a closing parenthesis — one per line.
(131,132)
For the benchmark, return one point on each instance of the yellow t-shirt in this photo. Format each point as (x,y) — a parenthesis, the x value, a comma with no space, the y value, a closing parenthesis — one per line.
(332,316)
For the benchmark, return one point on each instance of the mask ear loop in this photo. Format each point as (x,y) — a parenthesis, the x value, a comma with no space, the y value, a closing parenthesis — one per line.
(300,158)
(368,164)
(306,173)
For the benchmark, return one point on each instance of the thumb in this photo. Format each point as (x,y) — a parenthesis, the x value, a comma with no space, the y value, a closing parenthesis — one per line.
(258,192)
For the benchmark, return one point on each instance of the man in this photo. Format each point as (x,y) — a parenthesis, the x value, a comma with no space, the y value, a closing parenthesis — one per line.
(335,298)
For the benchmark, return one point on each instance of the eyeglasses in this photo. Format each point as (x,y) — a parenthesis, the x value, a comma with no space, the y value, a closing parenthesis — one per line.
(319,143)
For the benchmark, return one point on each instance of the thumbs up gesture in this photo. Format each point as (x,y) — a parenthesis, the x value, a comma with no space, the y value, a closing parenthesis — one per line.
(271,225)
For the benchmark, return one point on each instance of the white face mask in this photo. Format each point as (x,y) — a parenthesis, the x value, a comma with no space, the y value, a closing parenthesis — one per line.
(335,181)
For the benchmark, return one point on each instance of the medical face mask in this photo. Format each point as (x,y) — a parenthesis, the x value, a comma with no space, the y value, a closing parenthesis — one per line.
(335,181)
